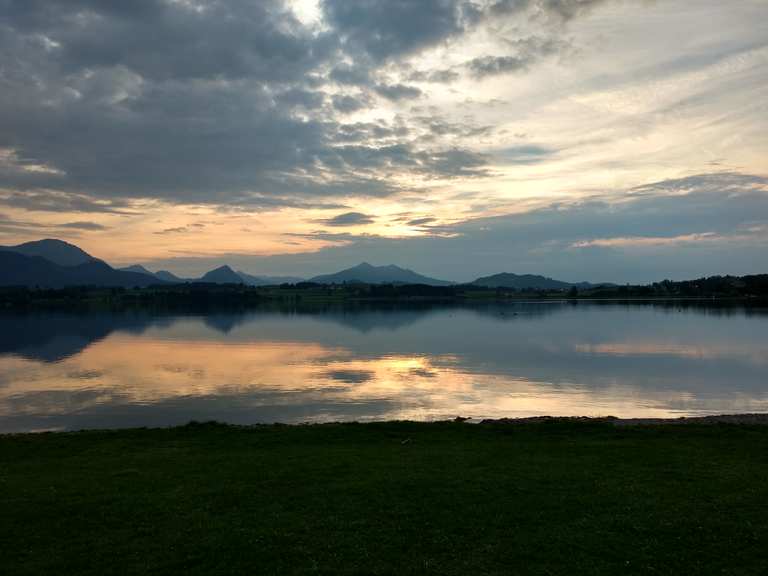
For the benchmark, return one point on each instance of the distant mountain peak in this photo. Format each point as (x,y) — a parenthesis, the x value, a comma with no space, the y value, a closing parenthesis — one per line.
(137,268)
(369,274)
(222,275)
(168,276)
(54,250)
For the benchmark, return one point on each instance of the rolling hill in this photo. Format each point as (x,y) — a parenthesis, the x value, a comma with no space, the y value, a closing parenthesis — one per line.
(521,282)
(368,274)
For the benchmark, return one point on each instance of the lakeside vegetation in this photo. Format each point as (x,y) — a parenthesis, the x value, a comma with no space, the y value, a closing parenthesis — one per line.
(555,497)
(720,288)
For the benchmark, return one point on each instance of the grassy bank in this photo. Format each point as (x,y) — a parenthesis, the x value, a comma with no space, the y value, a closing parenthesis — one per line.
(391,498)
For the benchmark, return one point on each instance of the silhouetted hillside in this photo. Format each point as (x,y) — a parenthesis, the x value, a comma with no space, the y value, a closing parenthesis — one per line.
(20,270)
(367,274)
(166,276)
(521,282)
(253,280)
(56,251)
(222,275)
(139,269)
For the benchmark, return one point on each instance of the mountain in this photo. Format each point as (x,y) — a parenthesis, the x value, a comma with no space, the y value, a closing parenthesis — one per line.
(368,274)
(267,280)
(56,251)
(138,268)
(524,282)
(20,270)
(222,275)
(166,276)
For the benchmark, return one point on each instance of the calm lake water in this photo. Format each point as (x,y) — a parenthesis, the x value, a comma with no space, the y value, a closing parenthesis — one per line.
(70,371)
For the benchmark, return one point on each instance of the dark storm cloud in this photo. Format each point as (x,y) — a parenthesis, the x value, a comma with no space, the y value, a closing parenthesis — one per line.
(53,201)
(347,104)
(298,97)
(223,102)
(385,29)
(159,39)
(349,219)
(353,75)
(156,99)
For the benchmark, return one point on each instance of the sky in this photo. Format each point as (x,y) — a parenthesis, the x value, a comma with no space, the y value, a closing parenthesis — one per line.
(600,140)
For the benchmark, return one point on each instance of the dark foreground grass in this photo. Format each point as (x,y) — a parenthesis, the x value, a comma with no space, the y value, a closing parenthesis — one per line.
(390,498)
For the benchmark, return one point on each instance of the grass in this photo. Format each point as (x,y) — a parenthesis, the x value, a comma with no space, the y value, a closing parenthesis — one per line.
(387,498)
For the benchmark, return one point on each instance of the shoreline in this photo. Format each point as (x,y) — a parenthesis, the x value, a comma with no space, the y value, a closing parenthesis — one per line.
(739,419)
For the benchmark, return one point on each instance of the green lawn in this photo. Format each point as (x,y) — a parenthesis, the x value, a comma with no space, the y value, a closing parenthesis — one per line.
(390,498)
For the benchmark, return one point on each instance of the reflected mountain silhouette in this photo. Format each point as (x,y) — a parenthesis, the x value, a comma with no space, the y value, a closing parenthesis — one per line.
(50,337)
(53,336)
(225,323)
(306,363)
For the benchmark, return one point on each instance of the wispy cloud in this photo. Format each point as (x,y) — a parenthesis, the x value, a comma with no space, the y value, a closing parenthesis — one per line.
(348,219)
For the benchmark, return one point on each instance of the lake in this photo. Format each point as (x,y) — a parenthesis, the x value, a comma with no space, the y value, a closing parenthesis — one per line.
(119,369)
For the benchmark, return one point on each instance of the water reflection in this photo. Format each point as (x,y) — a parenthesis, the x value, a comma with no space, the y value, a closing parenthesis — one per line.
(129,369)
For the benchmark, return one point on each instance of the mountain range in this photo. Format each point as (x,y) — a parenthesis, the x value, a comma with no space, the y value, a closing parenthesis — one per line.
(221,275)
(17,269)
(55,264)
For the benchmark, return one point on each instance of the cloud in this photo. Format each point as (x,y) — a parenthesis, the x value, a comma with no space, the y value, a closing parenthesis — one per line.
(528,154)
(420,221)
(639,235)
(347,104)
(563,10)
(640,241)
(527,52)
(57,201)
(175,230)
(384,29)
(397,91)
(230,103)
(350,376)
(353,75)
(12,225)
(82,226)
(204,103)
(349,219)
